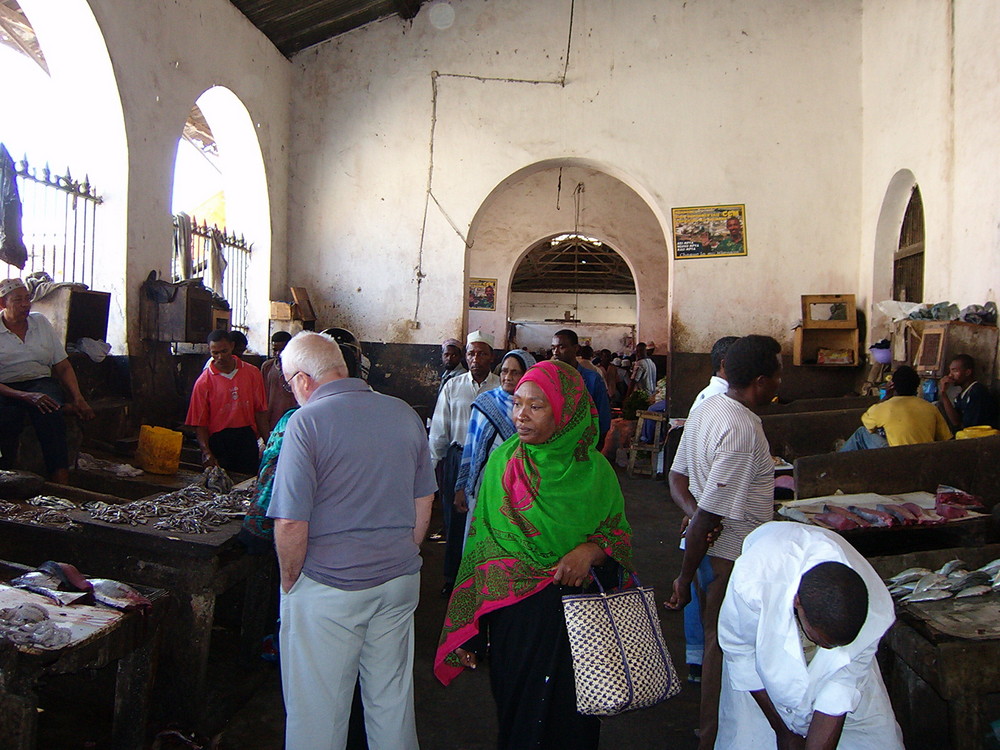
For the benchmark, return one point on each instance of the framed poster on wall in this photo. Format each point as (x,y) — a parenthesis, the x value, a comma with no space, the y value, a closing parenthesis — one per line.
(482,294)
(709,231)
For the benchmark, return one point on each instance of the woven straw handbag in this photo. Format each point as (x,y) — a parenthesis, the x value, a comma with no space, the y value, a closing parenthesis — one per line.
(620,661)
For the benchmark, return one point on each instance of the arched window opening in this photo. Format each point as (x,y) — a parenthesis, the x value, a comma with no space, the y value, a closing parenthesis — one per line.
(216,171)
(908,260)
(58,211)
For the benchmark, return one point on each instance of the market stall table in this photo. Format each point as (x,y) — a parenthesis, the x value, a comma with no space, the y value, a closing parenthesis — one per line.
(194,568)
(950,646)
(100,636)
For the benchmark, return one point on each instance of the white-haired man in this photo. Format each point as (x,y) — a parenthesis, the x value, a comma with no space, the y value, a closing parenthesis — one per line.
(351,505)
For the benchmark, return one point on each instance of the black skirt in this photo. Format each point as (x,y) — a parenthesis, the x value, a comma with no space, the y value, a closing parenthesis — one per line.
(531,674)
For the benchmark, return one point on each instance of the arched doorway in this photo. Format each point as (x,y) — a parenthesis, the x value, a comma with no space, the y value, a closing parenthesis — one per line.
(575,203)
(572,281)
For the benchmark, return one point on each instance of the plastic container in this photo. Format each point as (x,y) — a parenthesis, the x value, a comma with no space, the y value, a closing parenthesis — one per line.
(881,356)
(159,450)
(983,430)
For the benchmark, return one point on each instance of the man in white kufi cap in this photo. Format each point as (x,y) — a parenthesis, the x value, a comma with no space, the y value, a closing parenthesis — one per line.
(448,429)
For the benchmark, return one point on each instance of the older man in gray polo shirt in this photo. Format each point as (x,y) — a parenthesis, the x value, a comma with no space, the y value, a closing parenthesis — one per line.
(352,500)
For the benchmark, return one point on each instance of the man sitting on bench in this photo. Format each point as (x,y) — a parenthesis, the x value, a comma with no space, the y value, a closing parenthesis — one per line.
(904,419)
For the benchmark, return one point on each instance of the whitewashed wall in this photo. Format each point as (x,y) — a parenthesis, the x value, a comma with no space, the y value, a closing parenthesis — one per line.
(595,308)
(686,103)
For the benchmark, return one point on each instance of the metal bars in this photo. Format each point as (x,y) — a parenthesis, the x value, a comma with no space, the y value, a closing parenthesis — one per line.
(59,222)
(233,265)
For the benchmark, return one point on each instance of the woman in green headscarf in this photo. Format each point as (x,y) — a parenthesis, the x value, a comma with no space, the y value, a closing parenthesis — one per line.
(550,507)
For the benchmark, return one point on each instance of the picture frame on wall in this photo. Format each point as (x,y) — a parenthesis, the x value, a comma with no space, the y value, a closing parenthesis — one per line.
(709,231)
(483,294)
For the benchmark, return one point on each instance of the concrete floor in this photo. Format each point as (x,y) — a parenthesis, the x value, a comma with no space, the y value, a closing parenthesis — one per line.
(461,717)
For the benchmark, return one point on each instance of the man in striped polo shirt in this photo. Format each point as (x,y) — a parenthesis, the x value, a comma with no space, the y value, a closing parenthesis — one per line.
(723,479)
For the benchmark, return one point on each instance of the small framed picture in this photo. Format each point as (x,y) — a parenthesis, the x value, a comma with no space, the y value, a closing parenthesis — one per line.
(482,294)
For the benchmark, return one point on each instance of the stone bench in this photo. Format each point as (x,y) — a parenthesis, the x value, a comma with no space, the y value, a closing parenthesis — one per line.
(971,465)
(799,434)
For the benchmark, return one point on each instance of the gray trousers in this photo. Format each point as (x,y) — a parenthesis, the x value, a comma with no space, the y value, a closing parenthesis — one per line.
(328,637)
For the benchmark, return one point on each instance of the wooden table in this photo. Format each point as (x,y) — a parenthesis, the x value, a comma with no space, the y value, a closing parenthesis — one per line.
(194,568)
(129,639)
(959,671)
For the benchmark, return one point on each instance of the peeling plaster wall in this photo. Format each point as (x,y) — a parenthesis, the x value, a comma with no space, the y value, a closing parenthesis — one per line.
(165,55)
(931,102)
(906,88)
(687,104)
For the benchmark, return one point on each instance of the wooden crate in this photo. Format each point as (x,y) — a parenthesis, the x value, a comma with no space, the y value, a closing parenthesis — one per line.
(816,310)
(76,313)
(808,342)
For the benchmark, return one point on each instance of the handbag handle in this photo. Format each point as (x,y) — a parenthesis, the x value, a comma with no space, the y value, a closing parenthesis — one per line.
(633,577)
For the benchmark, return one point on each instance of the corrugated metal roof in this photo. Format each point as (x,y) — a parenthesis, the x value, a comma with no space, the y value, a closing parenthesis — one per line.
(293,25)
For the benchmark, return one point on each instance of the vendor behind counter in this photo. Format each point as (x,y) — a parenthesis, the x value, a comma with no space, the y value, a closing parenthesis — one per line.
(35,377)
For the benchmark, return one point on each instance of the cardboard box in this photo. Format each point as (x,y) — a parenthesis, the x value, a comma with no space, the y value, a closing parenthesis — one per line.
(283,311)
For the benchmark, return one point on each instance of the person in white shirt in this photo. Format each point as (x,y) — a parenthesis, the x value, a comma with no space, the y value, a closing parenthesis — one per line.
(717,384)
(449,426)
(802,619)
(723,479)
(694,633)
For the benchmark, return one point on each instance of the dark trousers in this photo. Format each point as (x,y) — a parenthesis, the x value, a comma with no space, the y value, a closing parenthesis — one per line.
(236,449)
(454,521)
(531,674)
(50,428)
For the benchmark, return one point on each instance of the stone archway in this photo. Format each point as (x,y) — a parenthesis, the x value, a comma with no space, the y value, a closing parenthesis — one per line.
(537,203)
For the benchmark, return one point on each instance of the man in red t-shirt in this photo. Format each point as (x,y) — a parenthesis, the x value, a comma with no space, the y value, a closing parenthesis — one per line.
(229,409)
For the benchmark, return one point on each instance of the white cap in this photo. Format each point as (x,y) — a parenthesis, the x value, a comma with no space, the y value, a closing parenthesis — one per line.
(9,285)
(479,336)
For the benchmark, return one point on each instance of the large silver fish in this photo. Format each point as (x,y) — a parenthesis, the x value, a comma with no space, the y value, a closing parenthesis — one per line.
(951,565)
(910,574)
(973,591)
(118,595)
(930,582)
(931,595)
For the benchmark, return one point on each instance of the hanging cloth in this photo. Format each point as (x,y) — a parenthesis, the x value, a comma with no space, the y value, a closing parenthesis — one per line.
(216,262)
(12,249)
(182,247)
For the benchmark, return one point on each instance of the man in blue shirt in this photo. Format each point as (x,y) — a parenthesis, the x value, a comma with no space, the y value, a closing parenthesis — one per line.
(974,404)
(565,346)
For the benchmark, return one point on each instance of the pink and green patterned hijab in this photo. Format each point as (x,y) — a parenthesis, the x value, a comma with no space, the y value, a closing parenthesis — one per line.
(535,504)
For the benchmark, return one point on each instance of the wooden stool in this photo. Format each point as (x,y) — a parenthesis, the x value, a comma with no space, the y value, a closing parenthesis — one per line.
(649,450)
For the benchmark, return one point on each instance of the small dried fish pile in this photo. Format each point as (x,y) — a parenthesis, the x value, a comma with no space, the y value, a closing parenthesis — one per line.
(47,516)
(196,509)
(953,579)
(52,503)
(7,509)
(112,513)
(29,625)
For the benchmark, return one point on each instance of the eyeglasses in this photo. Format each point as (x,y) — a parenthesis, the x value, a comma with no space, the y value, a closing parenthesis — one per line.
(287,385)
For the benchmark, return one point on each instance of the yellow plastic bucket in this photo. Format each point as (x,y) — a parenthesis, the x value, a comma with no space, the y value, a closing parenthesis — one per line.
(159,449)
(982,430)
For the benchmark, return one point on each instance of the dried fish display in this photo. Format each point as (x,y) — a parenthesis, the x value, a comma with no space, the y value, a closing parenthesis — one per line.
(52,502)
(7,509)
(195,509)
(110,513)
(43,515)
